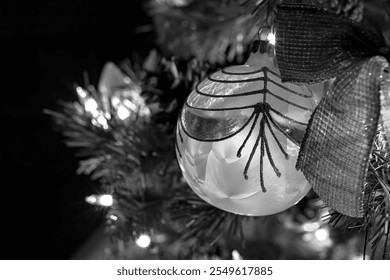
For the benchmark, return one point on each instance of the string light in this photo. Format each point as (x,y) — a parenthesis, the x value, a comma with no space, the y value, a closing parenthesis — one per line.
(321,234)
(91,106)
(92,199)
(81,92)
(130,105)
(102,121)
(113,217)
(102,200)
(126,80)
(115,101)
(143,241)
(236,255)
(309,227)
(123,112)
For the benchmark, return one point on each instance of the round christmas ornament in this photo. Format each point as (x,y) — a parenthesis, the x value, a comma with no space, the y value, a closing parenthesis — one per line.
(238,136)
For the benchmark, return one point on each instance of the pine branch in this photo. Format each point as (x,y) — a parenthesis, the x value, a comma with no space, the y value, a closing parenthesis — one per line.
(216,31)
(376,202)
(202,220)
(133,158)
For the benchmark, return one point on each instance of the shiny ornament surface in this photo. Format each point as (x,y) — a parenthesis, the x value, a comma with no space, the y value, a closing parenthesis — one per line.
(121,94)
(238,138)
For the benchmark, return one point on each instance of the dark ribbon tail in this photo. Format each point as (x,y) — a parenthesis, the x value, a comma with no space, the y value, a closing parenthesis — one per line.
(335,152)
(313,44)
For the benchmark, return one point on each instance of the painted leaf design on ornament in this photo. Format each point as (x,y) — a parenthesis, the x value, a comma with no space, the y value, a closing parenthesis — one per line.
(237,97)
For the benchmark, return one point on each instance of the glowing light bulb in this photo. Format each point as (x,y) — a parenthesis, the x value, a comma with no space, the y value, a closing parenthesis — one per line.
(91,105)
(236,255)
(115,101)
(311,226)
(106,200)
(126,80)
(130,105)
(102,121)
(103,200)
(123,112)
(271,38)
(143,241)
(113,217)
(321,234)
(91,199)
(81,92)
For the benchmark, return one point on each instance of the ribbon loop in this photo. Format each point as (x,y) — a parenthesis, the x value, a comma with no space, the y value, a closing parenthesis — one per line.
(335,153)
(314,44)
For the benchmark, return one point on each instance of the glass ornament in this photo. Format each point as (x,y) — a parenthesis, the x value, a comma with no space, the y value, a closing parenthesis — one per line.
(121,95)
(238,137)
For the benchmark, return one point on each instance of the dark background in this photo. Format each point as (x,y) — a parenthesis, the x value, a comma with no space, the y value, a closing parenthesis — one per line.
(46,47)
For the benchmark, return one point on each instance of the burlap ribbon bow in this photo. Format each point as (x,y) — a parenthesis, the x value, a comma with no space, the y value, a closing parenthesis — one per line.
(314,45)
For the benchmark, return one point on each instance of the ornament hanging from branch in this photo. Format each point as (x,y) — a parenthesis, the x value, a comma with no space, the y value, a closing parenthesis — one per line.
(239,133)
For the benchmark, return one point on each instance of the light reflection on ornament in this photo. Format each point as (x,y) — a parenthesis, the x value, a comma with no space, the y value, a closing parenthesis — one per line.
(121,95)
(143,241)
(271,38)
(102,200)
(119,98)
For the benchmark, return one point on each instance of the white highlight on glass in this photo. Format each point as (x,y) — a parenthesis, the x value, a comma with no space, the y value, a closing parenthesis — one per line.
(271,38)
(143,241)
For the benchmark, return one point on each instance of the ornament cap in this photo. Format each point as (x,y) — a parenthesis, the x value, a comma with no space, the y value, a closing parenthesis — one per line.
(264,44)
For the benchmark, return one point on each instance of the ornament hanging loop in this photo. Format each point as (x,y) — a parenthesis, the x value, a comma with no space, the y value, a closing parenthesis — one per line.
(265,41)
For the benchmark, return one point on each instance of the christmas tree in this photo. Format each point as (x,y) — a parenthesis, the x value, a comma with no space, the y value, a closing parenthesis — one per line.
(304,87)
